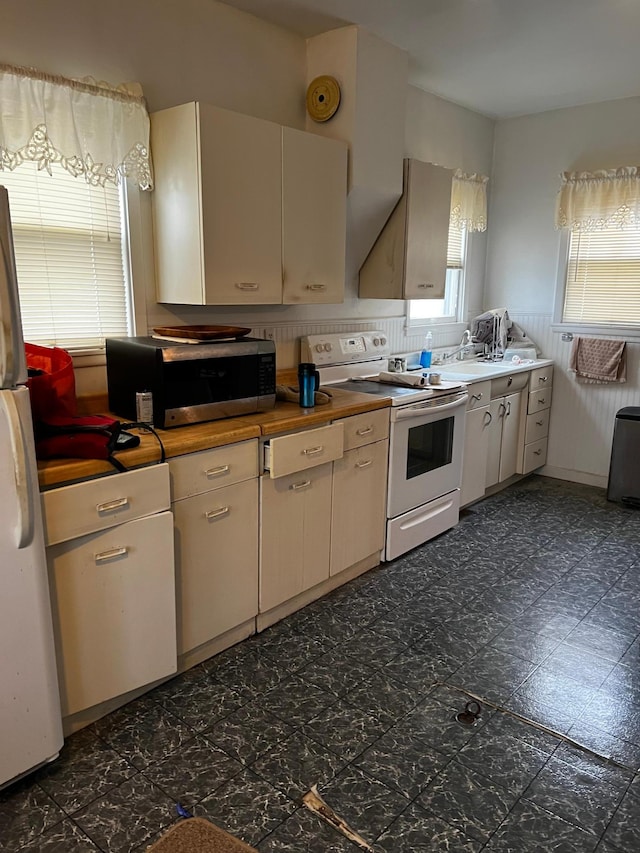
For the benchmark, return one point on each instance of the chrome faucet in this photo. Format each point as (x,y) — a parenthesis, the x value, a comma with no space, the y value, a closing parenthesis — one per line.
(466,346)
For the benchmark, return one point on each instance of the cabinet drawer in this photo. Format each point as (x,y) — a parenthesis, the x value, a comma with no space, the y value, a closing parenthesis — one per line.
(197,473)
(539,400)
(98,504)
(541,377)
(302,450)
(215,594)
(113,597)
(537,426)
(535,455)
(365,429)
(479,395)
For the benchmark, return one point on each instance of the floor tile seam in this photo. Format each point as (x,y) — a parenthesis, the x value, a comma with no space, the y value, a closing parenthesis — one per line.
(63,816)
(613,737)
(598,836)
(519,800)
(70,813)
(601,783)
(562,738)
(197,802)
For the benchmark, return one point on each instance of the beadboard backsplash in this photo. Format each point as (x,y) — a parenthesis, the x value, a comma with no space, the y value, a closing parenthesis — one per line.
(582,416)
(287,337)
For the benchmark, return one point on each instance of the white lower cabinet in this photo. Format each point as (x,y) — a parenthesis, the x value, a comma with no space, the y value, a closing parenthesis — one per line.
(112,581)
(113,595)
(216,562)
(536,424)
(476,451)
(502,457)
(358,507)
(215,507)
(295,533)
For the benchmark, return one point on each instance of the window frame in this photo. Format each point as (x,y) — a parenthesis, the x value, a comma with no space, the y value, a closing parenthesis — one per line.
(558,323)
(134,266)
(450,320)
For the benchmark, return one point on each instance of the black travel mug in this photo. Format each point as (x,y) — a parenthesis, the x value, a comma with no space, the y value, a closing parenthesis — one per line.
(308,383)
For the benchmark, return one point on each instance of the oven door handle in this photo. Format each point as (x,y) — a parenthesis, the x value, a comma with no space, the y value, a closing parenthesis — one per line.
(417,410)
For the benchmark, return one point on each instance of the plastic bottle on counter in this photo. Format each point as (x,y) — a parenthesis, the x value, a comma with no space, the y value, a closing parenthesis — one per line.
(425,355)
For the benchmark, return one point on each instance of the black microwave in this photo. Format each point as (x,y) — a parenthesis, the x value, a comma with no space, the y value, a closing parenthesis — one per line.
(191,383)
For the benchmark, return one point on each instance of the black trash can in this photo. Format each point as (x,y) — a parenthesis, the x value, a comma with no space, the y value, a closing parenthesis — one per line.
(624,470)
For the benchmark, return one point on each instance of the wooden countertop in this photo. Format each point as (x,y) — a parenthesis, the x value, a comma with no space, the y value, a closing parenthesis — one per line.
(285,417)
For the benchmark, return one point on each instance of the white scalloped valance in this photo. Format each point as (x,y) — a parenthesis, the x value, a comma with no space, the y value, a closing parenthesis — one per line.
(594,201)
(469,201)
(93,130)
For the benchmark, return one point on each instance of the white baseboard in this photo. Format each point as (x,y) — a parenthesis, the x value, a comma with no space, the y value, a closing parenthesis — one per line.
(583,477)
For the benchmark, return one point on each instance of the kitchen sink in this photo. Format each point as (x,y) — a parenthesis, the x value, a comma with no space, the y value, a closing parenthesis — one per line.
(473,370)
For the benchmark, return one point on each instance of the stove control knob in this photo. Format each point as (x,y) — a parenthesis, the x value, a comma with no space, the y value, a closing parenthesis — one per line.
(376,342)
(383,341)
(328,347)
(319,347)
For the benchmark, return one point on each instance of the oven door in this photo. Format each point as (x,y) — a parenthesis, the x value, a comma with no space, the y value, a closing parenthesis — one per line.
(426,444)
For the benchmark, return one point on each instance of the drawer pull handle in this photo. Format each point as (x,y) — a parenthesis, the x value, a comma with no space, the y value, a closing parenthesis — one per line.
(109,506)
(216,472)
(365,431)
(364,464)
(313,451)
(477,396)
(488,417)
(542,401)
(103,556)
(247,285)
(426,285)
(295,487)
(217,513)
(542,379)
(539,423)
(537,452)
(316,287)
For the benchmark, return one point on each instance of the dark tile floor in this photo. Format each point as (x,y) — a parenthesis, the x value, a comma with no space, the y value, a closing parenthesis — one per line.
(533,602)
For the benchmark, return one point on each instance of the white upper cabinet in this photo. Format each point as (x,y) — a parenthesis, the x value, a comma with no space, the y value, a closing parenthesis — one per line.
(409,258)
(217,207)
(314,191)
(233,193)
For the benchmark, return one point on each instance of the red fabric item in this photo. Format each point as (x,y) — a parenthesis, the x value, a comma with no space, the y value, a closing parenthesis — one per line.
(53,392)
(90,437)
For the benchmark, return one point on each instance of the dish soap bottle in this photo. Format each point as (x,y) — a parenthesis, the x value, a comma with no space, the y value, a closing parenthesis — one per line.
(425,355)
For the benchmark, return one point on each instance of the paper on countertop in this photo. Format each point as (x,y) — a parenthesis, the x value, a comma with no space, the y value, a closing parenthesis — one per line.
(409,380)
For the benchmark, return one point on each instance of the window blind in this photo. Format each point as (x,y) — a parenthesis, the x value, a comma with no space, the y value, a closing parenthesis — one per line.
(68,238)
(455,247)
(603,277)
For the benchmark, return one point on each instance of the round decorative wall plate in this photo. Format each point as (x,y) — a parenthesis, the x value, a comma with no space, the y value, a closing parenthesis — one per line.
(323,97)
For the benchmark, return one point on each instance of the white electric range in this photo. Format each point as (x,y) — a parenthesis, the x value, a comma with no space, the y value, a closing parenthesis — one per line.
(426,435)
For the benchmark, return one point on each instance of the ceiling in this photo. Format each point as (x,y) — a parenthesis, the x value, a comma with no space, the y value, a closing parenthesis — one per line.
(501,58)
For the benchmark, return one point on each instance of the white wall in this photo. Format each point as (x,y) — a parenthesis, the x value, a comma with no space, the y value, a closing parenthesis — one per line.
(440,132)
(202,49)
(522,257)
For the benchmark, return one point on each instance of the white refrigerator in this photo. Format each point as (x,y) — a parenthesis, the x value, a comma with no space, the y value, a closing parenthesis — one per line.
(30,718)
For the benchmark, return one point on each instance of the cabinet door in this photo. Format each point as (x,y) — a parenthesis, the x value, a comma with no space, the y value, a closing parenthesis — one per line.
(429,210)
(216,562)
(509,444)
(113,599)
(358,507)
(474,461)
(217,207)
(241,175)
(314,211)
(295,534)
(494,429)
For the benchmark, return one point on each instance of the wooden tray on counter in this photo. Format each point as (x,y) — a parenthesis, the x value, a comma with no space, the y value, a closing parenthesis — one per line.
(202,333)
